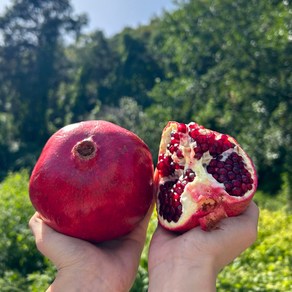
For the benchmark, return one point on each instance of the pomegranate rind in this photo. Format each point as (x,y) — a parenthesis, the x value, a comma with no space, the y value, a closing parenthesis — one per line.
(204,201)
(99,198)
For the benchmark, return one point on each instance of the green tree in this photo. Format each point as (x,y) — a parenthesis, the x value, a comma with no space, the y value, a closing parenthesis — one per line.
(32,65)
(138,69)
(96,63)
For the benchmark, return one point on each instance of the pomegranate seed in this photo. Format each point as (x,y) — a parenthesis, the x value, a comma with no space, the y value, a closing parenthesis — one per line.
(222,171)
(228,186)
(204,147)
(213,163)
(175,136)
(236,192)
(236,183)
(222,178)
(182,128)
(220,164)
(193,134)
(174,141)
(169,196)
(179,153)
(232,173)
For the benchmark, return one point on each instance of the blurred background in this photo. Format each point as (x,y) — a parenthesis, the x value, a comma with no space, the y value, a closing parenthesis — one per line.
(223,63)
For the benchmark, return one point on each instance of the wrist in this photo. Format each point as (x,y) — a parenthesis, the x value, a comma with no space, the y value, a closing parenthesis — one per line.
(74,281)
(181,275)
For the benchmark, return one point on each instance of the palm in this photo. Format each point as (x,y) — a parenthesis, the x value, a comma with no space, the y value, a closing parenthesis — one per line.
(117,259)
(224,244)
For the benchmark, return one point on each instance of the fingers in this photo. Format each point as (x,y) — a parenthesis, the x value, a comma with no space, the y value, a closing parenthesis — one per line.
(245,224)
(134,241)
(40,231)
(59,248)
(252,212)
(249,219)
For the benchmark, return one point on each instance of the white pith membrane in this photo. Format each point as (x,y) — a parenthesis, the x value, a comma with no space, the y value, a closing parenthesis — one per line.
(191,204)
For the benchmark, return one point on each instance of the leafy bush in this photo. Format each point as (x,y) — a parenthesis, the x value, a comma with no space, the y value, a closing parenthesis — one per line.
(19,259)
(266,266)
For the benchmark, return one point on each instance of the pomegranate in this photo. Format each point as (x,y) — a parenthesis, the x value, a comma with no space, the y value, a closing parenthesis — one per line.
(93,180)
(202,176)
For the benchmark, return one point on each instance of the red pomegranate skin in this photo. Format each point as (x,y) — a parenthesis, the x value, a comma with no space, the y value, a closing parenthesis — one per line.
(95,196)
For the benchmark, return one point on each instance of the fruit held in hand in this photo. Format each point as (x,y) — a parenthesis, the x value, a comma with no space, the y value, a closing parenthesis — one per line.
(93,180)
(202,176)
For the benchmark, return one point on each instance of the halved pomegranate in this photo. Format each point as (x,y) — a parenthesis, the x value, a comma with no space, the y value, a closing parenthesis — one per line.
(202,176)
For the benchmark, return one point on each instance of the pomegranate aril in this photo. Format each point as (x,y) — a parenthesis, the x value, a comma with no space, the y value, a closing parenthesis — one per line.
(213,162)
(204,147)
(228,186)
(198,155)
(171,148)
(216,175)
(220,164)
(179,153)
(179,209)
(174,140)
(222,171)
(221,178)
(169,197)
(193,134)
(171,211)
(178,190)
(176,195)
(175,136)
(228,167)
(165,165)
(232,173)
(236,183)
(182,128)
(236,191)
(244,187)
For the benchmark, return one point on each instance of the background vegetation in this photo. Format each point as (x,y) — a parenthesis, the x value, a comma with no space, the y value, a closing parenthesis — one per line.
(223,63)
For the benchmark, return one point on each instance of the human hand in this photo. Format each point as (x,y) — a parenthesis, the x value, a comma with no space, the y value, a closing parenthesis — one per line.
(191,261)
(83,266)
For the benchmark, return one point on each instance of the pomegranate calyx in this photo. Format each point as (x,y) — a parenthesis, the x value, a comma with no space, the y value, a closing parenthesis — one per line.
(85,149)
(211,220)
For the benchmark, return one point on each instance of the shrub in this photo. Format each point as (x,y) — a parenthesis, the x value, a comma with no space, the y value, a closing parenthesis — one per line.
(19,257)
(266,266)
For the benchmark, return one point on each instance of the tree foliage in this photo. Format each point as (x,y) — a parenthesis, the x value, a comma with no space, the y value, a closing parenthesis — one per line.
(32,65)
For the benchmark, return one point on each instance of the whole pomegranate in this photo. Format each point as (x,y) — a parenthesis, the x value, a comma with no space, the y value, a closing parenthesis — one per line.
(202,176)
(93,180)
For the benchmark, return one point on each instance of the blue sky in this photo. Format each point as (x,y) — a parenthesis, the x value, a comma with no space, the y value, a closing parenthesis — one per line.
(112,16)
